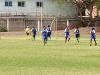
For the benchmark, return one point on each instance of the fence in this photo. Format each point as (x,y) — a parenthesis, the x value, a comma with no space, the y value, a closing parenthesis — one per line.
(19,23)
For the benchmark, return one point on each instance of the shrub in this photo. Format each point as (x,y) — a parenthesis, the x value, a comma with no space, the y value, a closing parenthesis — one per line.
(3,29)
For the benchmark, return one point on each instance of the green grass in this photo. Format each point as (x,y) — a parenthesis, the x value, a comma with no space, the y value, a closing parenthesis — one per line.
(25,57)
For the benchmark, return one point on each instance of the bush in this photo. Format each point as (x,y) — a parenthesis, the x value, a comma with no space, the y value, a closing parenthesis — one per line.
(3,29)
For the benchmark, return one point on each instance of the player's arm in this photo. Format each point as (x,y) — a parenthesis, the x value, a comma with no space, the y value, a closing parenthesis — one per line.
(50,29)
(65,31)
(26,30)
(74,31)
(36,29)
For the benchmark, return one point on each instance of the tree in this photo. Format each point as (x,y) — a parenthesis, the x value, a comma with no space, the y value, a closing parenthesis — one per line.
(98,4)
(98,7)
(84,5)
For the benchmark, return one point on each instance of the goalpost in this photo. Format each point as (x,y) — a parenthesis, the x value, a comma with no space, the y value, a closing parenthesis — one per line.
(52,21)
(54,25)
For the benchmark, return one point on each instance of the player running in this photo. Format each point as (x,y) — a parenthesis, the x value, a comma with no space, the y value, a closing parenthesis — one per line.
(44,35)
(49,31)
(33,33)
(77,34)
(67,34)
(28,32)
(93,36)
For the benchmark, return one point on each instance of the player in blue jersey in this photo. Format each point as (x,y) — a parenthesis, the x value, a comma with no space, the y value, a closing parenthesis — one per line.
(67,34)
(77,34)
(44,35)
(93,36)
(33,33)
(49,31)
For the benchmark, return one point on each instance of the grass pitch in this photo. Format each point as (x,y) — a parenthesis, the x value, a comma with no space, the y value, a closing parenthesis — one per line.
(27,57)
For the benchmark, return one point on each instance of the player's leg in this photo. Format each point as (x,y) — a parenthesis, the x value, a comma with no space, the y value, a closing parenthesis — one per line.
(44,41)
(77,37)
(47,35)
(50,35)
(95,41)
(34,36)
(68,38)
(65,39)
(28,37)
(43,38)
(91,42)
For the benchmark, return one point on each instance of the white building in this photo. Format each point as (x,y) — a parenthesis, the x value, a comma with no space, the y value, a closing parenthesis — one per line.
(34,8)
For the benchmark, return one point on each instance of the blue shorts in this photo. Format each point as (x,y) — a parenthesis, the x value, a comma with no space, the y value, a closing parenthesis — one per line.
(92,37)
(44,37)
(67,36)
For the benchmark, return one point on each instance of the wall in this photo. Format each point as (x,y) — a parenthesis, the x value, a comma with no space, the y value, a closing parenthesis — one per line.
(50,8)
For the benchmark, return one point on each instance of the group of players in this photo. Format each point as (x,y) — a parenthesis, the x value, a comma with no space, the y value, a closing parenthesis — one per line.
(46,33)
(77,35)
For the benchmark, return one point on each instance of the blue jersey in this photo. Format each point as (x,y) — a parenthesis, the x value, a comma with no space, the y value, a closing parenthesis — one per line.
(67,33)
(33,30)
(92,34)
(44,32)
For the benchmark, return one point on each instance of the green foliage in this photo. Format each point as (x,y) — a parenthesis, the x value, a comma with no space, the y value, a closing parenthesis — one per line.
(62,1)
(3,29)
(98,4)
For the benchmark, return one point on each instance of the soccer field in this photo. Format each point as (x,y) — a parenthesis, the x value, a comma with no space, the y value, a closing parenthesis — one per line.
(27,57)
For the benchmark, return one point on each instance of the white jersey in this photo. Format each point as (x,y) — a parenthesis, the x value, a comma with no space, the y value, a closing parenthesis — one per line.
(67,33)
(93,31)
(77,31)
